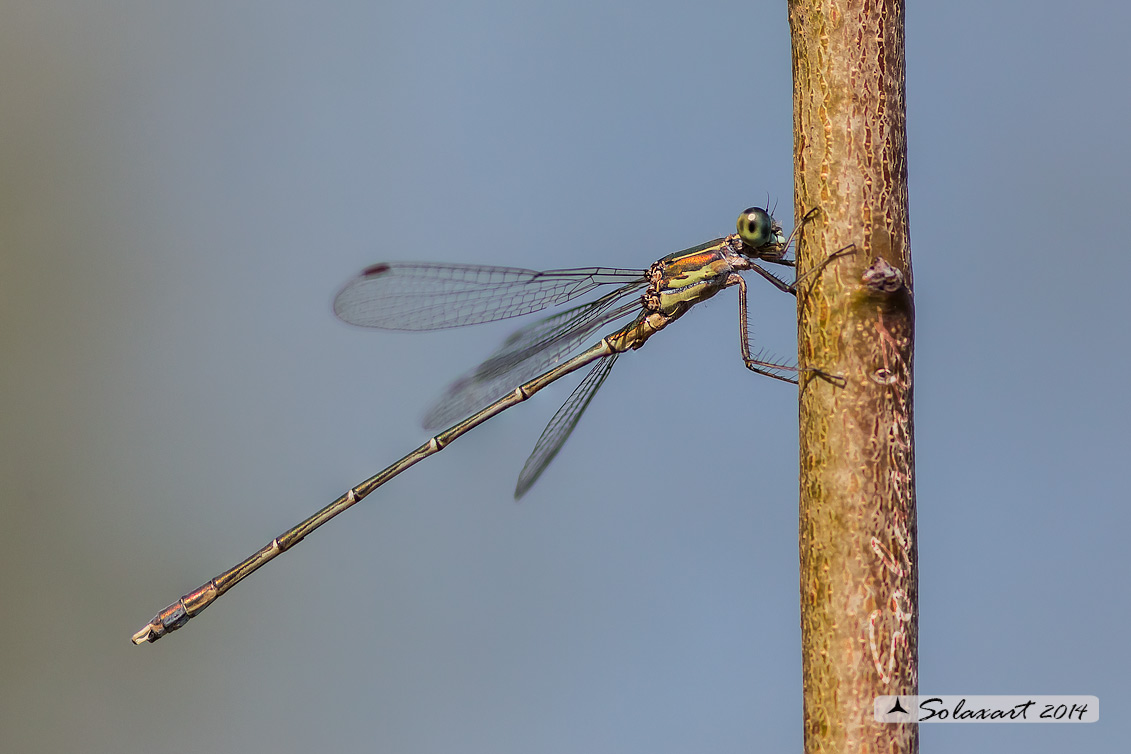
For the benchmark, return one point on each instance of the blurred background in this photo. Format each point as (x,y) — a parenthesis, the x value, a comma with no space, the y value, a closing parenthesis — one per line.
(184,187)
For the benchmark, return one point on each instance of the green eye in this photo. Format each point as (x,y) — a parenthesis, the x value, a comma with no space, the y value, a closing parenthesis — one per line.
(756,227)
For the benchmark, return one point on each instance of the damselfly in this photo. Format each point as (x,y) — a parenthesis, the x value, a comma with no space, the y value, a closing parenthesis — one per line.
(412,296)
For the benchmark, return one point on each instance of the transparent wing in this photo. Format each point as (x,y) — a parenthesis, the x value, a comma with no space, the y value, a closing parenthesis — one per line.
(528,353)
(576,322)
(562,424)
(410,296)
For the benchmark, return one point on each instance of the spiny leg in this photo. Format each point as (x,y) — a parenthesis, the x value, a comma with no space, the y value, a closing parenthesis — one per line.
(835,379)
(781,285)
(841,252)
(758,365)
(796,229)
(754,365)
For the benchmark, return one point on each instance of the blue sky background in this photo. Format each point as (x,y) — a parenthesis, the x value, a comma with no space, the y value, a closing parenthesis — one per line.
(183,187)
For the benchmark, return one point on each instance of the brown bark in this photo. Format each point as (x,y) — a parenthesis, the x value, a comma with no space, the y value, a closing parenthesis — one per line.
(859,570)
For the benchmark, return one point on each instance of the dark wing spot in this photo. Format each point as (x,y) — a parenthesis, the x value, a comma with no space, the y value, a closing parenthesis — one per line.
(375,270)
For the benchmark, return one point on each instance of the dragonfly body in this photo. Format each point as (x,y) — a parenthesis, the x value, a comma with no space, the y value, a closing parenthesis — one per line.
(431,296)
(685,278)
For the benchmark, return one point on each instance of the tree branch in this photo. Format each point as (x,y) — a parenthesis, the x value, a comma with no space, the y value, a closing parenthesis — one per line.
(859,569)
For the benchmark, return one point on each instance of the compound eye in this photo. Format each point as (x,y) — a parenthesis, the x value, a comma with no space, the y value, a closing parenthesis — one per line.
(756,227)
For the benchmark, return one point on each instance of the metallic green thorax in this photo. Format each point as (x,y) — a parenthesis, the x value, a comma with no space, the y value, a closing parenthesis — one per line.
(680,280)
(687,277)
(692,275)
